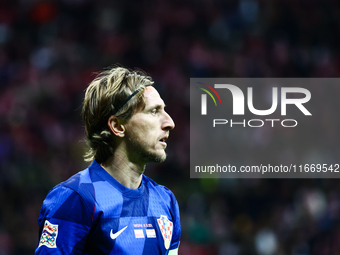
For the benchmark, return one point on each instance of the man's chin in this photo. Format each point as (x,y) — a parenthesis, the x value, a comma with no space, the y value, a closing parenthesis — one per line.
(156,158)
(160,159)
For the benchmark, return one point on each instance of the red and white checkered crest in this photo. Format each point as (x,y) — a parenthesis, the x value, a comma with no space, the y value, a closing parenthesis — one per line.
(166,228)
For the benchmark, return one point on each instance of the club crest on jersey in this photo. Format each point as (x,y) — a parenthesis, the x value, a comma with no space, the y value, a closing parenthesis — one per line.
(166,227)
(49,235)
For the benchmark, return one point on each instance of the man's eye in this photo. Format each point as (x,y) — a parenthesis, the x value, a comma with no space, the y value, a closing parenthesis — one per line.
(154,111)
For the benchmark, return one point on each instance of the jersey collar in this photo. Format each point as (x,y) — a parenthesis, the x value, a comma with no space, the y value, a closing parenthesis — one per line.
(97,171)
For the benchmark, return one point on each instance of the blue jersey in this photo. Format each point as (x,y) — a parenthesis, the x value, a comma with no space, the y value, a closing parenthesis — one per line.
(92,213)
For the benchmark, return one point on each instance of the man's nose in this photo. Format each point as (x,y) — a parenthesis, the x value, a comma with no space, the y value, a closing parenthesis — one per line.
(168,123)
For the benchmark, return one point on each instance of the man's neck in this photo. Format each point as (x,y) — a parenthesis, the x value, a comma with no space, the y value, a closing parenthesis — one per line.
(125,172)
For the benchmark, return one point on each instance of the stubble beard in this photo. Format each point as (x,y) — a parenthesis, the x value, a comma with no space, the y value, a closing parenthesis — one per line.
(145,155)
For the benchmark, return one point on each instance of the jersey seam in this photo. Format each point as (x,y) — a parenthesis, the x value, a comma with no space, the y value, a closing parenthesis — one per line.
(83,200)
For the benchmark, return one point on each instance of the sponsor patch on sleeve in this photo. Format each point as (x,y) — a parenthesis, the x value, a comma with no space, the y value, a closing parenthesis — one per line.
(49,235)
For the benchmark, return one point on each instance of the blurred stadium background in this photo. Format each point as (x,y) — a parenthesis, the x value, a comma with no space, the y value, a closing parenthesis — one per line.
(49,51)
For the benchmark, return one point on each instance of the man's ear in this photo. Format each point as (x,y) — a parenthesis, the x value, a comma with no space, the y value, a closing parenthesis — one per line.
(116,126)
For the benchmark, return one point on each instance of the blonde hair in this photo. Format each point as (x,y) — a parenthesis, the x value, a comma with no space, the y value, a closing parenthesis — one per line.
(110,94)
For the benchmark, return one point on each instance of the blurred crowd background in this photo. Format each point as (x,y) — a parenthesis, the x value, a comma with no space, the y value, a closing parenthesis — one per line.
(51,49)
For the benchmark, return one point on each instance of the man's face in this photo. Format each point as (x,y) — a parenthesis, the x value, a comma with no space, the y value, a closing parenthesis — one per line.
(147,130)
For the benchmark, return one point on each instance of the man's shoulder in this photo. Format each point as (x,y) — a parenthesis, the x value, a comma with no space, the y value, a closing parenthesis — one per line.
(151,183)
(78,181)
(79,184)
(70,195)
(163,191)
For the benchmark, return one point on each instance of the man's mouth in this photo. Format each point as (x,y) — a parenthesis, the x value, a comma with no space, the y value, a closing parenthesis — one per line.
(162,141)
